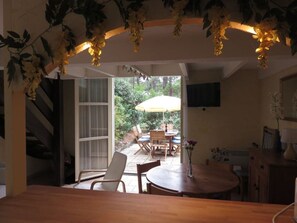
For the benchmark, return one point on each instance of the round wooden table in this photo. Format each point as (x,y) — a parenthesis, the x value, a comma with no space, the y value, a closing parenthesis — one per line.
(206,180)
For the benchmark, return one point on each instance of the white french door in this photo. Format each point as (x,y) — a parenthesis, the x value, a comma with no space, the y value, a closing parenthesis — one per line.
(94,124)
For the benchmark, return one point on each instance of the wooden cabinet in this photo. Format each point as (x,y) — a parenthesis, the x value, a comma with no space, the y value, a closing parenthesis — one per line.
(271,177)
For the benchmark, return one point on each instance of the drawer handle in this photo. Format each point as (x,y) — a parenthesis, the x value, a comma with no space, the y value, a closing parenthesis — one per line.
(262,167)
(252,158)
(256,187)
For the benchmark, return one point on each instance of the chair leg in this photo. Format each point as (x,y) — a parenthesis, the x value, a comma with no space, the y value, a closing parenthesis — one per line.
(152,151)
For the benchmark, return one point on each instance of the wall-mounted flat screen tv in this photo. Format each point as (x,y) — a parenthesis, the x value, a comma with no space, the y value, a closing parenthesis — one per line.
(204,95)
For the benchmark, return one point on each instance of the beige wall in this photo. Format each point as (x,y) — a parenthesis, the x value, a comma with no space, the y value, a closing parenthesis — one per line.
(233,125)
(244,110)
(270,85)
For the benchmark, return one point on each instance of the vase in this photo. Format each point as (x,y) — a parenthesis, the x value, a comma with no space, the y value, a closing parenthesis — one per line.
(190,169)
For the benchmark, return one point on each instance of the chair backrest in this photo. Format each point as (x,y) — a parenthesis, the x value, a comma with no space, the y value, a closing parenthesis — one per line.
(114,171)
(135,132)
(142,168)
(221,165)
(152,189)
(139,130)
(156,135)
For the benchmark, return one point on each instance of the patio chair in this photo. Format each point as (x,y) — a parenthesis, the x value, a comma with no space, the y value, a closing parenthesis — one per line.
(158,141)
(152,189)
(143,168)
(140,132)
(142,140)
(112,177)
(176,144)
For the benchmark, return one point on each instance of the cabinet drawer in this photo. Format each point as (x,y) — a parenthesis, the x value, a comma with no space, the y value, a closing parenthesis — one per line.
(263,168)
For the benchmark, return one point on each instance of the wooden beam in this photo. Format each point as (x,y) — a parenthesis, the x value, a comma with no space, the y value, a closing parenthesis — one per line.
(184,70)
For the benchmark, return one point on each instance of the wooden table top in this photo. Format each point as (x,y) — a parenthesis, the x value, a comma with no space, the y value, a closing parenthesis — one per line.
(206,179)
(63,205)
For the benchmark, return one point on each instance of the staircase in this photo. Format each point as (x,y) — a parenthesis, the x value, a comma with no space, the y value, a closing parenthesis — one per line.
(39,122)
(43,128)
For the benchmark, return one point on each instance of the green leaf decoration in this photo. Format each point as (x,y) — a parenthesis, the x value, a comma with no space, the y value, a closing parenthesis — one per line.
(14,44)
(2,41)
(293,5)
(61,12)
(14,34)
(11,71)
(123,11)
(79,9)
(193,6)
(93,14)
(15,60)
(135,4)
(42,64)
(48,14)
(167,3)
(47,47)
(26,36)
(206,21)
(246,10)
(258,17)
(212,3)
(262,4)
(25,55)
(70,39)
(56,11)
(275,12)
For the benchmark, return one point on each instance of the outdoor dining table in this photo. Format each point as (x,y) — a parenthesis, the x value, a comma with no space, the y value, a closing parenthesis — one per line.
(206,180)
(170,135)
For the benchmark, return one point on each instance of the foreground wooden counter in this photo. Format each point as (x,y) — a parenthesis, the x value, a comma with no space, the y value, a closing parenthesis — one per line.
(54,204)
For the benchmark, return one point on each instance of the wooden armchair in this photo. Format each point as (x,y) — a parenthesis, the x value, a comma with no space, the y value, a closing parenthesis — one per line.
(143,168)
(142,140)
(152,189)
(158,141)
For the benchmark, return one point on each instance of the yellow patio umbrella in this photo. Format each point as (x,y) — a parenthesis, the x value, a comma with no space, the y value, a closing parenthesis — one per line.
(160,104)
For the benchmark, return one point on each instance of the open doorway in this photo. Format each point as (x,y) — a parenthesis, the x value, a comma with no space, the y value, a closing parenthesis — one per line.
(130,92)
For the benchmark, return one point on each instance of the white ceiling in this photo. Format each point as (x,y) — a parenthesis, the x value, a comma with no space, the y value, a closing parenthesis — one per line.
(163,54)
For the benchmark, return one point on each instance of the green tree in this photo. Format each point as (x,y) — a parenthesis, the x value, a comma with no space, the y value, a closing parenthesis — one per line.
(130,92)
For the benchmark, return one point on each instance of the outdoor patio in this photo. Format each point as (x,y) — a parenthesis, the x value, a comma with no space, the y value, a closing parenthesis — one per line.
(140,157)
